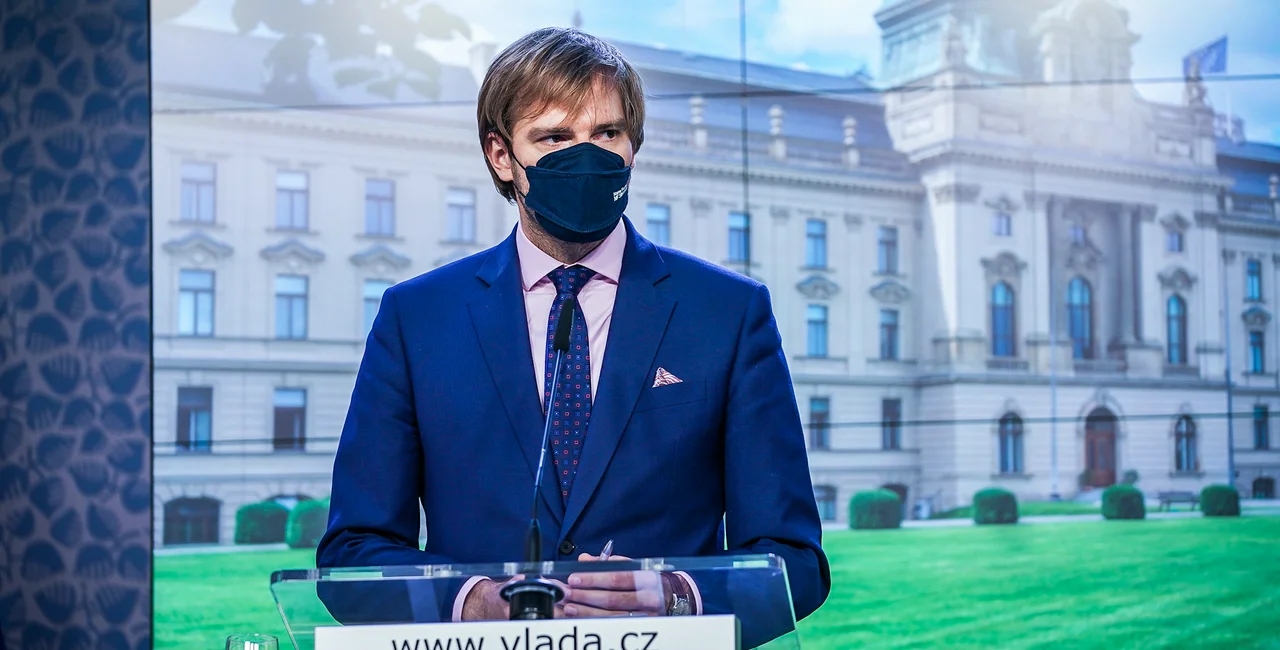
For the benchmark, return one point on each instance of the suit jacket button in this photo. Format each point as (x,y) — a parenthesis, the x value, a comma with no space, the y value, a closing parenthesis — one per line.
(567,547)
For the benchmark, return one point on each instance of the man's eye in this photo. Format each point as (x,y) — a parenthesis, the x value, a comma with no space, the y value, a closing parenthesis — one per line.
(609,133)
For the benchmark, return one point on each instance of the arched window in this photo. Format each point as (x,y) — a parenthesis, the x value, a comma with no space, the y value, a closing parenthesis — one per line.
(1176,314)
(1184,433)
(826,497)
(1010,444)
(191,521)
(1080,318)
(1003,330)
(1264,487)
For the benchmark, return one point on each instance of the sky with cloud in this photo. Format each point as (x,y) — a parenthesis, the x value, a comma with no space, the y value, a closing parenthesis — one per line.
(841,37)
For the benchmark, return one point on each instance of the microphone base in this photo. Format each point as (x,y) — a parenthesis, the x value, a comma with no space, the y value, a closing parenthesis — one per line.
(532,599)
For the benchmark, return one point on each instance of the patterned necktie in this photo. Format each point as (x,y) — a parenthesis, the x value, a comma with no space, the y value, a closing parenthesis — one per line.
(570,406)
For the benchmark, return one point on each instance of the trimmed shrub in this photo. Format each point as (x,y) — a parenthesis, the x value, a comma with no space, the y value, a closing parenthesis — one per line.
(307,523)
(995,506)
(875,509)
(1123,502)
(261,523)
(1220,501)
(1130,477)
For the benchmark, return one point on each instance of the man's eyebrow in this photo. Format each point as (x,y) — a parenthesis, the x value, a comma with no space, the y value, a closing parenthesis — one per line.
(538,133)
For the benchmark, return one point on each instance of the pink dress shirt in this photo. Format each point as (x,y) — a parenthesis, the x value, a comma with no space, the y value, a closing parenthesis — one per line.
(595,300)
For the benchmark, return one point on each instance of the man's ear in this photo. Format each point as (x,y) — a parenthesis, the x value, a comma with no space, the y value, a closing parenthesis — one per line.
(499,155)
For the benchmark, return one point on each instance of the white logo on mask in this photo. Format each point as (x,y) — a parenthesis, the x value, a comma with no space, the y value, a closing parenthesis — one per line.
(617,195)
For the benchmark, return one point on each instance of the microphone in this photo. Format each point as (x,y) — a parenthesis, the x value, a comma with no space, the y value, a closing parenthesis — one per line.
(535,598)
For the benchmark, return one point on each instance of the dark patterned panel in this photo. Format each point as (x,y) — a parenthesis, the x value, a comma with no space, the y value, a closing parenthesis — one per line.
(75,275)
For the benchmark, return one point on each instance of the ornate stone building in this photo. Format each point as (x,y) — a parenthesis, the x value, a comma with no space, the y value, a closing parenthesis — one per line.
(987,270)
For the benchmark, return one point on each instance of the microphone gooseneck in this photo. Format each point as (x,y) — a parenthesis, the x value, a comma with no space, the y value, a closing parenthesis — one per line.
(535,598)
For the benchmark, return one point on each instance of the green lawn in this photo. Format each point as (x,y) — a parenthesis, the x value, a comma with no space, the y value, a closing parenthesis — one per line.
(1187,583)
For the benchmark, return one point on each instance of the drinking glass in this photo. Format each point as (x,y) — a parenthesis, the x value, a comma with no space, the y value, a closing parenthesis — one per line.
(252,642)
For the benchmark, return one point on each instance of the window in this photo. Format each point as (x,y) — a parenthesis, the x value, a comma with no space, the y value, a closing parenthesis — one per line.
(1261,427)
(1257,352)
(191,521)
(815,243)
(817,316)
(888,334)
(291,307)
(1002,224)
(373,290)
(739,237)
(1174,242)
(199,181)
(1264,487)
(1253,281)
(891,423)
(825,495)
(195,303)
(658,223)
(1080,318)
(195,418)
(460,209)
(1010,444)
(1002,321)
(1078,234)
(887,250)
(819,423)
(1176,315)
(1185,444)
(291,200)
(290,430)
(379,207)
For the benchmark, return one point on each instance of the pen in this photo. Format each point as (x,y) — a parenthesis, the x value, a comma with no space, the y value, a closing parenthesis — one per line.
(608,550)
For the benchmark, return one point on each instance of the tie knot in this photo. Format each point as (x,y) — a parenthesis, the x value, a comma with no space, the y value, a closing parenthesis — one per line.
(570,280)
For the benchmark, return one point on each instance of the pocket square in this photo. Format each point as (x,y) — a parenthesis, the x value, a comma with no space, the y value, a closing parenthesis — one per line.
(664,378)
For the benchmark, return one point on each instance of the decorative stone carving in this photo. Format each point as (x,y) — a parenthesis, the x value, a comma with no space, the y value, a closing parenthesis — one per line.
(890,292)
(700,206)
(956,193)
(1003,204)
(198,247)
(818,287)
(1177,280)
(1256,318)
(380,257)
(954,50)
(853,221)
(1228,256)
(1084,256)
(1006,265)
(292,252)
(780,213)
(1175,223)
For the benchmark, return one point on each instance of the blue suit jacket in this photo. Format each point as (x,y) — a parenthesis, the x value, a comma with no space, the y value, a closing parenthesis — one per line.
(445,410)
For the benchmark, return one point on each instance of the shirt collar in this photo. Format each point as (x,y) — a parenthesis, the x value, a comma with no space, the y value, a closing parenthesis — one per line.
(605,259)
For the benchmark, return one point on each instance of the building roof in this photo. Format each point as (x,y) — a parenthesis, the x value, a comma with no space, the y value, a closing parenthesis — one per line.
(1250,164)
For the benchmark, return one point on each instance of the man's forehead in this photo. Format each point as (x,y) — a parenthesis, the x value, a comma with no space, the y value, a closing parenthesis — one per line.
(600,106)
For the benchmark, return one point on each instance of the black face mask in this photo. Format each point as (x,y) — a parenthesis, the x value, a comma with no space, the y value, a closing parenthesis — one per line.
(578,194)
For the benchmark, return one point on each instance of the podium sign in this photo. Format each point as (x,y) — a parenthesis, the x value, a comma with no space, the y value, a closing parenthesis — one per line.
(745,602)
(638,633)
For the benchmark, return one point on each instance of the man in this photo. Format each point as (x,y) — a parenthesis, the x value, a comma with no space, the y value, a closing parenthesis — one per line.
(675,427)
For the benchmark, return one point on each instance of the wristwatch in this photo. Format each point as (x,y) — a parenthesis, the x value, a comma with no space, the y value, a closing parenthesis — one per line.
(681,601)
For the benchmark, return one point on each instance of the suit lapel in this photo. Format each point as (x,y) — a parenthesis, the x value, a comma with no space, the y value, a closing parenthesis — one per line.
(640,316)
(498,316)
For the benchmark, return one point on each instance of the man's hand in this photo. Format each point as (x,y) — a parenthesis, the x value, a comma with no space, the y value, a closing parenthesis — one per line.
(614,593)
(485,603)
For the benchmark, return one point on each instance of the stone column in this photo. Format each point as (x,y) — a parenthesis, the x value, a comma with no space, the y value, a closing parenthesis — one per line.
(1127,275)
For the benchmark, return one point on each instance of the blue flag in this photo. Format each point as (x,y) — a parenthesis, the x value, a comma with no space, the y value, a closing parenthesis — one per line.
(1212,57)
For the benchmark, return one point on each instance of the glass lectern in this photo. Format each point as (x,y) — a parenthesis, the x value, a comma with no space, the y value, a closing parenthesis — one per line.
(752,588)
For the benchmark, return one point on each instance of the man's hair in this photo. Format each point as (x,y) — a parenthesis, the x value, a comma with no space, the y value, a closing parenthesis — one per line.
(553,67)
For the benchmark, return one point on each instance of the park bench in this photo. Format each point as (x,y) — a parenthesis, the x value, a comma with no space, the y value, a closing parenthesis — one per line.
(1169,498)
